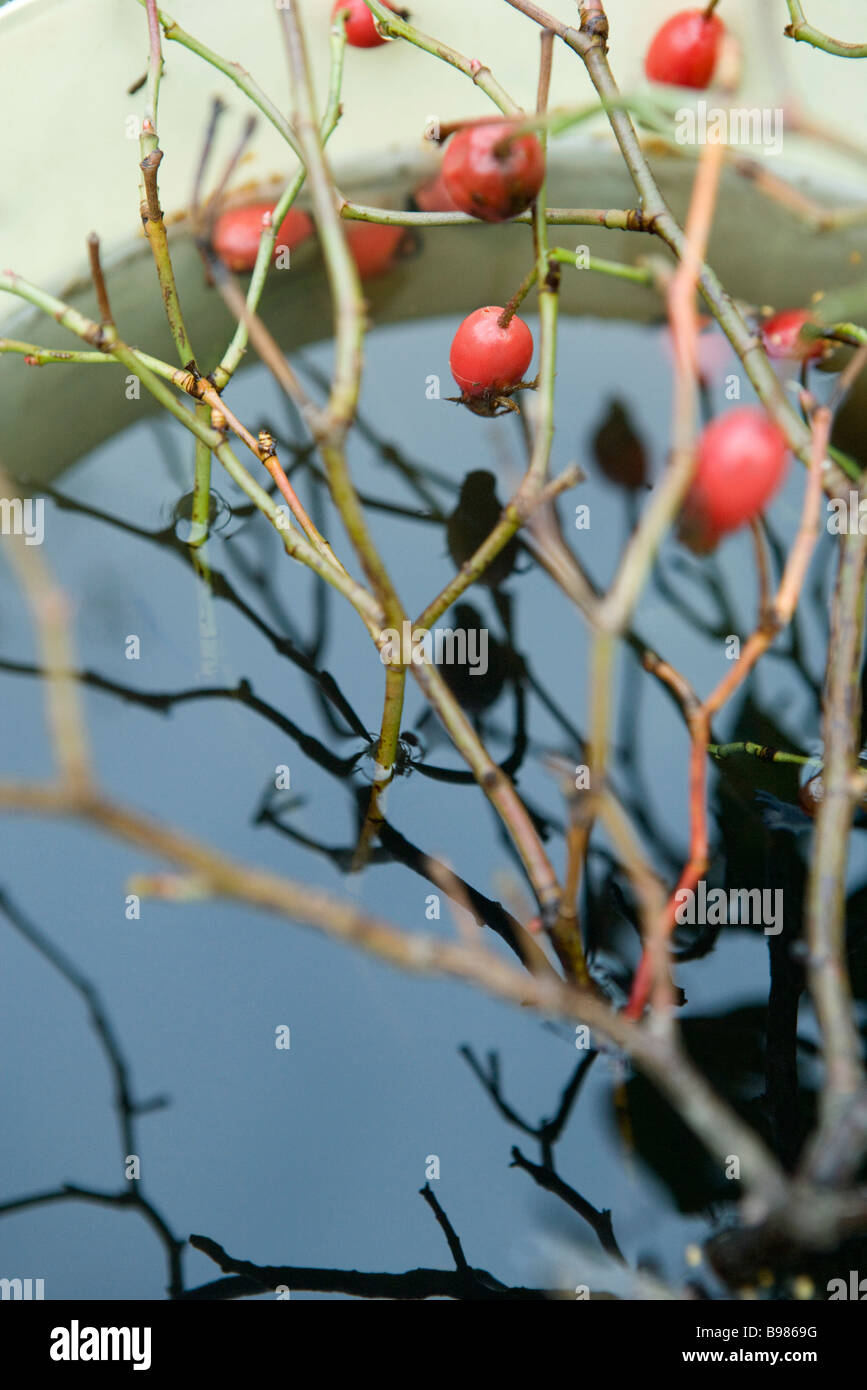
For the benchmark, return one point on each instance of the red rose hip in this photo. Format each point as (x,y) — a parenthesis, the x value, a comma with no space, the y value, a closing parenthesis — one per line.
(781,336)
(684,51)
(361,30)
(486,358)
(742,459)
(490,175)
(238,230)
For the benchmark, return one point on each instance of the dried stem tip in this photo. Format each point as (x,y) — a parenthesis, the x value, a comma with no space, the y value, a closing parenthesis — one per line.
(99,280)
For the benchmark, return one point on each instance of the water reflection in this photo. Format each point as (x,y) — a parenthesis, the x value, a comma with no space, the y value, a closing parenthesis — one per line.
(377,1079)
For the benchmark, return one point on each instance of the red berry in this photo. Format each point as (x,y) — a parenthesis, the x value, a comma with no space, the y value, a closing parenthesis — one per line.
(781,336)
(487,358)
(742,459)
(375,247)
(361,30)
(490,176)
(685,49)
(238,230)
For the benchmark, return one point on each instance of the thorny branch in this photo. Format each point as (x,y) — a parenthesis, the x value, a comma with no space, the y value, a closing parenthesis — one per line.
(776,1208)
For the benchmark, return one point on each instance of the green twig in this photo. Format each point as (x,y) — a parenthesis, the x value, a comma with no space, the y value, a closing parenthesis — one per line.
(201,509)
(618,219)
(637,274)
(850,333)
(233,71)
(803,32)
(155,72)
(518,297)
(349,329)
(513,517)
(296,545)
(237,347)
(722,751)
(384,763)
(396,27)
(155,229)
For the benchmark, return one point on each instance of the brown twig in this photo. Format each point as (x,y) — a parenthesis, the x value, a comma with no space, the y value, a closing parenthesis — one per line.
(98,278)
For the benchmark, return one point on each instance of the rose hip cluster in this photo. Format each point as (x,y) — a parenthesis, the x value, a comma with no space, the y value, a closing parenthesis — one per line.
(375,248)
(493,170)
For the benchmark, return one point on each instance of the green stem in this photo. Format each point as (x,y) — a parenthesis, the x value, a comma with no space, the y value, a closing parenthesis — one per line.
(496,786)
(296,545)
(349,328)
(386,754)
(47,356)
(651,113)
(64,314)
(349,325)
(201,486)
(721,751)
(518,297)
(637,274)
(601,675)
(238,345)
(155,72)
(233,71)
(398,28)
(155,229)
(510,522)
(851,333)
(619,219)
(513,518)
(803,32)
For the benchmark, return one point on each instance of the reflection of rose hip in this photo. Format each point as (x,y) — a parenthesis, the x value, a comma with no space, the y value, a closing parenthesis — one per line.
(781,336)
(433,196)
(375,247)
(812,794)
(488,358)
(742,459)
(685,50)
(491,176)
(237,233)
(361,30)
